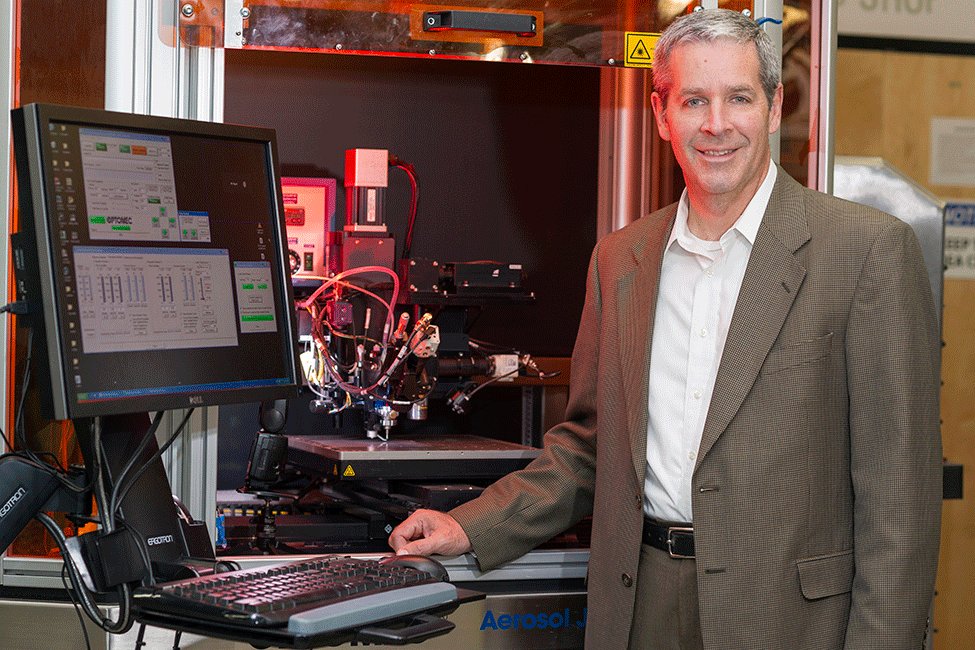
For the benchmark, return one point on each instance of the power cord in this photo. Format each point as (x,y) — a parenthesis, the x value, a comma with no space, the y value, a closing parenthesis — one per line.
(80,596)
(396,161)
(172,438)
(77,609)
(78,589)
(18,307)
(119,480)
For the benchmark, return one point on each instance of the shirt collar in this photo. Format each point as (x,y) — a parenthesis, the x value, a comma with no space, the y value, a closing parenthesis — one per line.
(750,219)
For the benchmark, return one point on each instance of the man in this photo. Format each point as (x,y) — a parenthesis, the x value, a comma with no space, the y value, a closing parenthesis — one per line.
(758,363)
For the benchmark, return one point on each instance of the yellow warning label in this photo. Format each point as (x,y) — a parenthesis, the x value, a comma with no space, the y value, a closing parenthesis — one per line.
(348,472)
(639,49)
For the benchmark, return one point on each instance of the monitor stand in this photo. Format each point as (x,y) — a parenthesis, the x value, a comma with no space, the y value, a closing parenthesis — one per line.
(174,544)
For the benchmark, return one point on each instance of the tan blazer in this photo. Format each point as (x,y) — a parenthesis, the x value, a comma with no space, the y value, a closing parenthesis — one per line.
(817,489)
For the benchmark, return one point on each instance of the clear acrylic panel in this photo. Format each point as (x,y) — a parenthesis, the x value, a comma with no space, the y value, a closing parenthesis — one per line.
(571,32)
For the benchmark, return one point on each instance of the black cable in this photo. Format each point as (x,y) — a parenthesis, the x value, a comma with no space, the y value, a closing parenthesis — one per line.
(118,492)
(19,433)
(483,347)
(94,434)
(18,307)
(395,161)
(77,608)
(58,474)
(56,470)
(492,380)
(78,593)
(7,442)
(125,620)
(149,435)
(148,463)
(107,514)
(139,639)
(470,319)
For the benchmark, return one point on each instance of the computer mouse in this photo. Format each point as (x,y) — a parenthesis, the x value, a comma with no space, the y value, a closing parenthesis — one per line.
(223,566)
(420,563)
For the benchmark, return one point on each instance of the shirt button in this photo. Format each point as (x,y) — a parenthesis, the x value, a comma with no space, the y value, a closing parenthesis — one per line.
(691,455)
(709,273)
(704,333)
(697,394)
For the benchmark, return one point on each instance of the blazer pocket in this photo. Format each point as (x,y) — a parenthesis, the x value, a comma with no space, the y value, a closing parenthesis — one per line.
(797,354)
(826,575)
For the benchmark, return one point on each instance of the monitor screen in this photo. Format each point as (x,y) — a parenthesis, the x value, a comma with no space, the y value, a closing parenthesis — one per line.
(156,261)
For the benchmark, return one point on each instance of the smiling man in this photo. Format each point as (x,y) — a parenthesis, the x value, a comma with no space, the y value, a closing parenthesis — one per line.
(718,120)
(753,413)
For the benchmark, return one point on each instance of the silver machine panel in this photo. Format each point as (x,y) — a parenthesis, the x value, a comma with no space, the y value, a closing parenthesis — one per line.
(874,182)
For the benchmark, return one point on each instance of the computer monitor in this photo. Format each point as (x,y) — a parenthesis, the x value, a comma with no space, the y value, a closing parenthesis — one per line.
(159,277)
(152,255)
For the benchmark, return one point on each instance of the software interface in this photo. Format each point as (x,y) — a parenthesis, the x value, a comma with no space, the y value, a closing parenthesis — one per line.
(164,246)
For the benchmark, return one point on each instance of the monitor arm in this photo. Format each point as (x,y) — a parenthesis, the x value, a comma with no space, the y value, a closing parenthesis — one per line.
(28,487)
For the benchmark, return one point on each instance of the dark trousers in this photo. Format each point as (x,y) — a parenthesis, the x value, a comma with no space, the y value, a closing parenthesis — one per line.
(666,616)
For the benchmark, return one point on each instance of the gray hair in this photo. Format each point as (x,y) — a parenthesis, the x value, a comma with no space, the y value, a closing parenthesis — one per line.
(708,26)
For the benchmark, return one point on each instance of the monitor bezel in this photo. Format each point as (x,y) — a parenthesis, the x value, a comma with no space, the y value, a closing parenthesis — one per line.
(29,124)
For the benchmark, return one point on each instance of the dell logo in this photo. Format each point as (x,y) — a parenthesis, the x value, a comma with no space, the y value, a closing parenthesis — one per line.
(162,539)
(12,501)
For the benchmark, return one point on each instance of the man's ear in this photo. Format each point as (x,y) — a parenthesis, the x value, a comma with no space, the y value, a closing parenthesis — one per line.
(775,110)
(659,113)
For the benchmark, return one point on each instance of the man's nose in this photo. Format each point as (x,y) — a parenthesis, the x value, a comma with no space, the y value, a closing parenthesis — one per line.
(716,119)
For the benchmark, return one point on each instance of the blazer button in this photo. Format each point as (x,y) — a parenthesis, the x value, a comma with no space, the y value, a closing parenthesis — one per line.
(627,580)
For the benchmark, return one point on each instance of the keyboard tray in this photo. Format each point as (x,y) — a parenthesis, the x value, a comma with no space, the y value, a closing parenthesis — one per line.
(269,605)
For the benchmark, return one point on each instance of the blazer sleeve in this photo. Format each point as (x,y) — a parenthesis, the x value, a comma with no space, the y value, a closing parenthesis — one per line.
(893,352)
(528,507)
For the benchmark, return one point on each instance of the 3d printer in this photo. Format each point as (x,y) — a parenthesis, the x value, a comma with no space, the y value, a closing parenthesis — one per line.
(383,339)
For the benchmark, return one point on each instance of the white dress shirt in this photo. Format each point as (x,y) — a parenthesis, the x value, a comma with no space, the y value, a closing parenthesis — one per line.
(699,284)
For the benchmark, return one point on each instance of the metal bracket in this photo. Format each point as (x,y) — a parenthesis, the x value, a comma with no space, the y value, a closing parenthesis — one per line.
(234,22)
(480,21)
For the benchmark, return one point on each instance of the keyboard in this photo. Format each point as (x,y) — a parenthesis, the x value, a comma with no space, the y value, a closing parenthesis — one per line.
(305,597)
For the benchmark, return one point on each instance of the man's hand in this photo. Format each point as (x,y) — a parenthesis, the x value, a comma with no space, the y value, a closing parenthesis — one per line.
(428,532)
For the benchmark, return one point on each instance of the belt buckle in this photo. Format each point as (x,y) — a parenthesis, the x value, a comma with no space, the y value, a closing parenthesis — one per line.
(671,531)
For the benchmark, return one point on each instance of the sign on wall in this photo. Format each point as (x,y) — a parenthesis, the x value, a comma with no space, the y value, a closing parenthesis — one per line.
(926,20)
(952,151)
(960,240)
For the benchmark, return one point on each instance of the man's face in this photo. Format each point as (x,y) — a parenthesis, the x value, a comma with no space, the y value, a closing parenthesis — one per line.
(717,119)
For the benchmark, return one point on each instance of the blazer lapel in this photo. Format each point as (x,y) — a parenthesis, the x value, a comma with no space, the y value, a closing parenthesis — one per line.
(768,289)
(637,299)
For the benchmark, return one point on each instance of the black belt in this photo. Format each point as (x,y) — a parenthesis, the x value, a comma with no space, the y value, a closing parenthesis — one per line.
(677,540)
